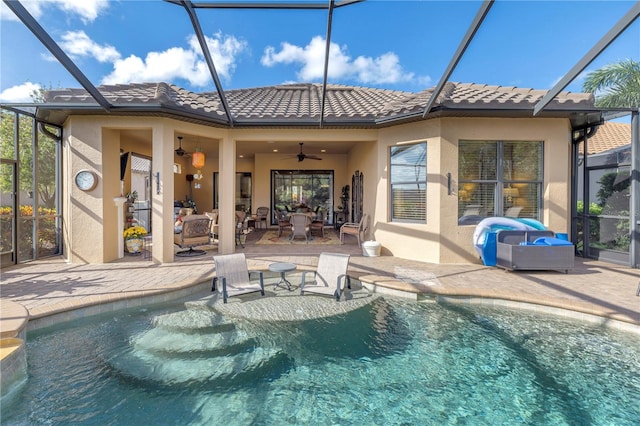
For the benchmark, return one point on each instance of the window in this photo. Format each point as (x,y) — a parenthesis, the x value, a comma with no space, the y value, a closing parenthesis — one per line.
(408,183)
(301,189)
(499,178)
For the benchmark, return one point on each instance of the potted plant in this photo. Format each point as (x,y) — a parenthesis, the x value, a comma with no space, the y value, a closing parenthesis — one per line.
(133,238)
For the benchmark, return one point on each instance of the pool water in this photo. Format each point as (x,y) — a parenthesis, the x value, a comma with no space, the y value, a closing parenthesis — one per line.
(388,362)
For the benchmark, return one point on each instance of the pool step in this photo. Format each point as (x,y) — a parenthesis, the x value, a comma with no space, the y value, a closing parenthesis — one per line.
(192,320)
(196,346)
(149,367)
(167,341)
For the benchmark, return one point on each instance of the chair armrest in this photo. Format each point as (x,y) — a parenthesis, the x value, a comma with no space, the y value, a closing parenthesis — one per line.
(260,277)
(221,279)
(345,277)
(304,274)
(351,225)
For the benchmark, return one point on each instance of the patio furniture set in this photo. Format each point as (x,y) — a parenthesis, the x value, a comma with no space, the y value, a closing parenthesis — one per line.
(233,277)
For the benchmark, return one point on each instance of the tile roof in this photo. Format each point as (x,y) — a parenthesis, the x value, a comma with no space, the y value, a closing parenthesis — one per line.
(609,136)
(300,104)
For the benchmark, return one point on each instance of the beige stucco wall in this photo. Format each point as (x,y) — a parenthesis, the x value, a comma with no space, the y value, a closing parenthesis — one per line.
(90,219)
(95,143)
(363,158)
(83,230)
(556,135)
(440,239)
(409,240)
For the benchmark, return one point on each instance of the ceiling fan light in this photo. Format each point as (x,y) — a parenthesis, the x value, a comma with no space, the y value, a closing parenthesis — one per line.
(179,151)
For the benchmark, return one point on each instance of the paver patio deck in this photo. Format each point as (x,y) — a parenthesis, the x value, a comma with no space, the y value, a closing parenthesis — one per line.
(50,287)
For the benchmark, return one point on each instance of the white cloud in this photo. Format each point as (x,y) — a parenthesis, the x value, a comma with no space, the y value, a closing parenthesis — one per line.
(21,93)
(224,50)
(180,63)
(87,10)
(385,68)
(77,44)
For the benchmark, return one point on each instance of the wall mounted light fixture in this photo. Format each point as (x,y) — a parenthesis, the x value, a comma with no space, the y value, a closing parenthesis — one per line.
(157,175)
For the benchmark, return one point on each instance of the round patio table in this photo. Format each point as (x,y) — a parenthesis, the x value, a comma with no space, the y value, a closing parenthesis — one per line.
(282,268)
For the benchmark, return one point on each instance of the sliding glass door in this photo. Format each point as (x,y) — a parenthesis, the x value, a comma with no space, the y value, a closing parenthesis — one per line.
(243,191)
(308,190)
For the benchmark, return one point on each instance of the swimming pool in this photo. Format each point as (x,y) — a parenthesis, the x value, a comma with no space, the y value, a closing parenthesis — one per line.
(387,361)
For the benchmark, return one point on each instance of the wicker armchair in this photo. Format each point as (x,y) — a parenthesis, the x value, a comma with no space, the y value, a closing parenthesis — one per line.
(354,228)
(300,226)
(262,213)
(284,224)
(317,224)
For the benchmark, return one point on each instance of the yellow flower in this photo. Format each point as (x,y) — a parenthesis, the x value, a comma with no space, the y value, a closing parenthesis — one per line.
(134,232)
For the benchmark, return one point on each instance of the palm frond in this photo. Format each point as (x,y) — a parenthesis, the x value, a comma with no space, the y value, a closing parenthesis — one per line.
(615,85)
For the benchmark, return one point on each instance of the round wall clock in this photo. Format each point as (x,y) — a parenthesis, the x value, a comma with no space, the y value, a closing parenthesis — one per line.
(86,180)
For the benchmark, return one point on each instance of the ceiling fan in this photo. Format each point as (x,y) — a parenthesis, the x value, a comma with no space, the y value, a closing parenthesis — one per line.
(181,152)
(302,156)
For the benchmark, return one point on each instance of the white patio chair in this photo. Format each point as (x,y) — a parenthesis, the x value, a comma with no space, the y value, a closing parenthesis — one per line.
(233,273)
(329,276)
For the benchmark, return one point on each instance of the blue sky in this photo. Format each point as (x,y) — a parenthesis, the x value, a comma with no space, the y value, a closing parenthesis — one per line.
(398,45)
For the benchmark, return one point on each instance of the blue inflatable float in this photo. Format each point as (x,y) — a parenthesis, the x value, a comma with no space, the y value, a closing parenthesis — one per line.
(484,238)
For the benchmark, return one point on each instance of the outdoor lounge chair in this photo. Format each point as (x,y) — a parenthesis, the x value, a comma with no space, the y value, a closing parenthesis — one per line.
(354,228)
(233,273)
(329,276)
(196,230)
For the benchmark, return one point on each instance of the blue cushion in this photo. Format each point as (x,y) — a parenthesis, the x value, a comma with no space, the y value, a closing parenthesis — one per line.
(551,241)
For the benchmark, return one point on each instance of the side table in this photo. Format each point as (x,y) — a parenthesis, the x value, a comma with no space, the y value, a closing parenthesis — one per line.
(282,268)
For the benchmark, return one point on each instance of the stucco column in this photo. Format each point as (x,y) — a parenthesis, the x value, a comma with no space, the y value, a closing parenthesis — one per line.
(227,200)
(119,201)
(162,193)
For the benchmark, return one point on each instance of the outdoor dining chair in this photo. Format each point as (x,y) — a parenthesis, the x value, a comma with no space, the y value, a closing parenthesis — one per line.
(262,213)
(284,224)
(317,224)
(300,226)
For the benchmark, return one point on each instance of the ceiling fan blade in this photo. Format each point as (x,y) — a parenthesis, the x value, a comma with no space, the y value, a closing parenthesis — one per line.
(301,156)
